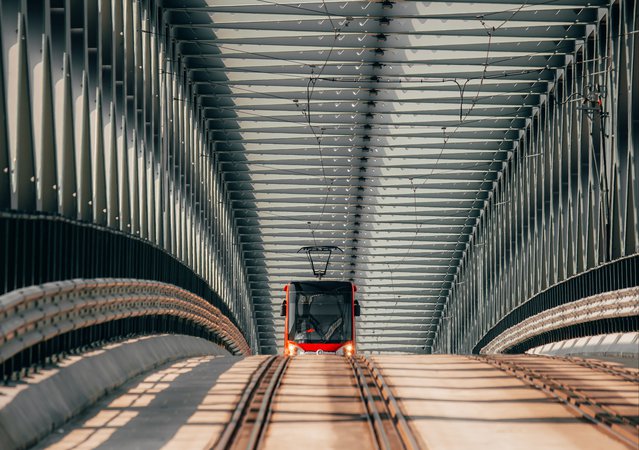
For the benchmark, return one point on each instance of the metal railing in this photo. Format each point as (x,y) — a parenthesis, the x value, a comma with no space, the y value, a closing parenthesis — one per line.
(40,321)
(613,276)
(621,303)
(42,248)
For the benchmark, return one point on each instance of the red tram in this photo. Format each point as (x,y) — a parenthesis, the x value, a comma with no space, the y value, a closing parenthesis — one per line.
(320,317)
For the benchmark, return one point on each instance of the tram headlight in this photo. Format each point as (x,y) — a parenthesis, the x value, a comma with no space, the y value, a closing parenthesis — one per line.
(292,349)
(348,349)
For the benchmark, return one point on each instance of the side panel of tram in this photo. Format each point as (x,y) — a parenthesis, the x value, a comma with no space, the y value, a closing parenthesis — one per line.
(320,317)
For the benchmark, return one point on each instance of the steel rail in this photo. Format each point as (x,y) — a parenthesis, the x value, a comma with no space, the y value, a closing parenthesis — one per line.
(579,403)
(232,428)
(408,438)
(374,419)
(624,373)
(248,422)
(264,413)
(395,422)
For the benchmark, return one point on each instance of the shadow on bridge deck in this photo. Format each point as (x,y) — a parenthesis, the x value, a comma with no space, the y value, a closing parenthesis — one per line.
(183,405)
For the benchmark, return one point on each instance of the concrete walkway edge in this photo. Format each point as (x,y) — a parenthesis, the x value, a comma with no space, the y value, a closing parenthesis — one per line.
(32,409)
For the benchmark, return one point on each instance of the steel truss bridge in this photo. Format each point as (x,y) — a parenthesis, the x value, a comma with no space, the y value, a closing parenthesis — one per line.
(161,162)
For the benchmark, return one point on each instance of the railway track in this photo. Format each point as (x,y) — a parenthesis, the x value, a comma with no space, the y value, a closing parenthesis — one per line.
(250,420)
(624,428)
(601,366)
(389,426)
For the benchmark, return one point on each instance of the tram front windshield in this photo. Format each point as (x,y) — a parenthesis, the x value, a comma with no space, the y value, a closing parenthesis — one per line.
(320,312)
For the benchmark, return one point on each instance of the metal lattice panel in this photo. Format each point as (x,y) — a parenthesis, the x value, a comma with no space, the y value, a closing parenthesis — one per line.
(96,134)
(565,212)
(379,127)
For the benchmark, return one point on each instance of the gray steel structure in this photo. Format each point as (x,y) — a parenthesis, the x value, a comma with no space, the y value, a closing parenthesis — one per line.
(469,157)
(97,125)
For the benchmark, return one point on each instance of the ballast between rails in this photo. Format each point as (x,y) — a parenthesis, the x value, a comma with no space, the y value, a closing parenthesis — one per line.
(38,313)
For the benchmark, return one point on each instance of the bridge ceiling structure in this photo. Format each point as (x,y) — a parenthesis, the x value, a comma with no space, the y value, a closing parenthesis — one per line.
(379,127)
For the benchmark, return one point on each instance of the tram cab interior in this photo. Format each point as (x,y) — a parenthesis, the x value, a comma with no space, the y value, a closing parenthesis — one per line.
(320,317)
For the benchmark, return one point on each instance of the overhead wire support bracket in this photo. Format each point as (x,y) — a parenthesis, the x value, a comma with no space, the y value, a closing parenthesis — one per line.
(320,252)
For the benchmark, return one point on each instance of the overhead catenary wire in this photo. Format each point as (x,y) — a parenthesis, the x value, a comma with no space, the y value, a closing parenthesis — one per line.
(467,16)
(320,81)
(605,57)
(310,87)
(490,33)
